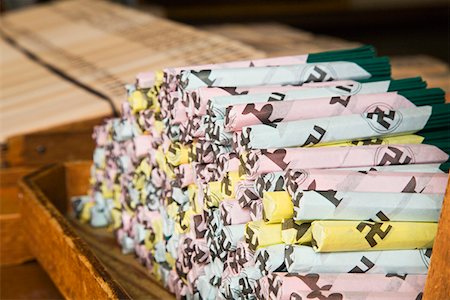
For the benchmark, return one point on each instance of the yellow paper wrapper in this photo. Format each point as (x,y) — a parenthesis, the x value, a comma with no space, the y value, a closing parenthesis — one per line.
(85,215)
(259,234)
(330,236)
(155,235)
(400,139)
(296,232)
(138,101)
(162,163)
(116,215)
(213,195)
(117,192)
(153,92)
(183,221)
(277,206)
(192,194)
(178,154)
(106,192)
(228,184)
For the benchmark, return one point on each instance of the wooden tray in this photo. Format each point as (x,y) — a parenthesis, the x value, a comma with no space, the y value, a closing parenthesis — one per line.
(84,263)
(87,263)
(13,247)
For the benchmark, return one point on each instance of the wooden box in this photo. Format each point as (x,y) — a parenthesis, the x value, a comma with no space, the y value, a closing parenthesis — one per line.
(83,262)
(87,263)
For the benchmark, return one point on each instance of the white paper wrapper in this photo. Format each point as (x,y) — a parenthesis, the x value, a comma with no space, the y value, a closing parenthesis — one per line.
(230,236)
(206,290)
(290,74)
(303,259)
(304,133)
(270,259)
(336,205)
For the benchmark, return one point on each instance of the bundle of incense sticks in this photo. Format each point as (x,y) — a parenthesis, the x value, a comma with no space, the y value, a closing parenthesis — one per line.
(278,178)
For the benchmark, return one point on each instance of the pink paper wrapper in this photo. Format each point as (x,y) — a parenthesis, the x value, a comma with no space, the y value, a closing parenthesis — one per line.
(198,99)
(398,182)
(232,213)
(284,286)
(239,116)
(272,160)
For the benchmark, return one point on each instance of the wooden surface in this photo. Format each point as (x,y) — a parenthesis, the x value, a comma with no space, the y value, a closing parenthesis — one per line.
(13,247)
(68,61)
(61,143)
(438,281)
(76,272)
(129,273)
(102,270)
(27,281)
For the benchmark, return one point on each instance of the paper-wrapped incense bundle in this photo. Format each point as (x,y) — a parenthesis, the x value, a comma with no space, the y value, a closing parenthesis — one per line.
(337,205)
(264,161)
(271,113)
(332,236)
(283,286)
(303,259)
(377,121)
(371,181)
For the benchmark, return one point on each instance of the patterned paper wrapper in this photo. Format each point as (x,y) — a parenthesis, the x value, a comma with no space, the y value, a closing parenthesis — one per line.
(331,236)
(215,131)
(371,181)
(256,162)
(245,193)
(285,286)
(277,75)
(376,206)
(230,235)
(270,182)
(270,113)
(374,122)
(232,213)
(217,105)
(270,259)
(198,99)
(242,285)
(303,259)
(243,257)
(208,152)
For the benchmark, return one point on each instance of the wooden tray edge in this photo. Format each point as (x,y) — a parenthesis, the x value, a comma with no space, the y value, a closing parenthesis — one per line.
(37,209)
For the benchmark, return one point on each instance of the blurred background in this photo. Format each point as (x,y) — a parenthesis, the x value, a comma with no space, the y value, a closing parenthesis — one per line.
(395,27)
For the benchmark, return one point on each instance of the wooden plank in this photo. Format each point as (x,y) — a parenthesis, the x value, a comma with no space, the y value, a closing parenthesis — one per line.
(27,281)
(62,143)
(77,273)
(13,249)
(96,257)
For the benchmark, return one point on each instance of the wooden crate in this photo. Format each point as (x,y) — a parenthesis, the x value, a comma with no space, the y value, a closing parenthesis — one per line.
(87,263)
(83,262)
(13,247)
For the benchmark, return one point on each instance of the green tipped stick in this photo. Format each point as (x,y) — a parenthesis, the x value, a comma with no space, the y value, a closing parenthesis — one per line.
(366,51)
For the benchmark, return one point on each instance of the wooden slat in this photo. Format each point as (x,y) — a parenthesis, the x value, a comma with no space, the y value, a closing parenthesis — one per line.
(13,249)
(101,268)
(71,265)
